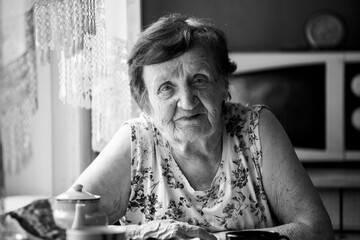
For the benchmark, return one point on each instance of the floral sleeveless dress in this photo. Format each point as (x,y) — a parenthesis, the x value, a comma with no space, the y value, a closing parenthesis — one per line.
(236,199)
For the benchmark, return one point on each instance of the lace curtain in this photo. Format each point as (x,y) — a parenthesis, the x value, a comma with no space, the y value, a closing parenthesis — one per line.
(18,85)
(92,65)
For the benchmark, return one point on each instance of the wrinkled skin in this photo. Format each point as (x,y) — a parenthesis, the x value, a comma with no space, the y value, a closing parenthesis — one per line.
(185,97)
(167,229)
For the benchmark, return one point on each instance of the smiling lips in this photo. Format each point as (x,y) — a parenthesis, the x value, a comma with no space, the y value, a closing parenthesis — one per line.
(189,117)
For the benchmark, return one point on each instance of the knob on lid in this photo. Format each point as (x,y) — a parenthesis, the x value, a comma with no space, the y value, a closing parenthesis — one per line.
(76,192)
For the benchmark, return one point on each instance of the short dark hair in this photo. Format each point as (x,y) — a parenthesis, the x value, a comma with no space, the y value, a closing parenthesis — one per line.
(170,37)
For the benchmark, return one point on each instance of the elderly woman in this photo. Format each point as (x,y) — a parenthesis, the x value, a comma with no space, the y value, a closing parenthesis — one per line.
(194,164)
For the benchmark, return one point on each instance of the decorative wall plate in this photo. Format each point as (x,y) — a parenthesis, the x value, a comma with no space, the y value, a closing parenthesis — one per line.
(325,30)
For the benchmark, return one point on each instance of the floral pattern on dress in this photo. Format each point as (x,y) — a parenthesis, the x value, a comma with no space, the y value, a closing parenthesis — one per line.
(176,210)
(240,174)
(214,194)
(168,174)
(236,199)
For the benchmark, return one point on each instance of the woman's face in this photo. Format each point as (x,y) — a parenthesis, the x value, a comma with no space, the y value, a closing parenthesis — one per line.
(185,96)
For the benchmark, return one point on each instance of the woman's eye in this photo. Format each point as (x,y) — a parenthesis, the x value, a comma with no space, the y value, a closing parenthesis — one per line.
(165,88)
(200,79)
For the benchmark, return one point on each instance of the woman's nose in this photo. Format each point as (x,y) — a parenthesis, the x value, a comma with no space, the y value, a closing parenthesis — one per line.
(188,99)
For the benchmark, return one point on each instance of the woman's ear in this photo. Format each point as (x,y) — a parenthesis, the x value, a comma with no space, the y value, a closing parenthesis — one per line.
(145,105)
(226,95)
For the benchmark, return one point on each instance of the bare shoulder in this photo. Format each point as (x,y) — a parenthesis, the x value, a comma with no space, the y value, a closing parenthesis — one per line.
(276,145)
(109,174)
(114,156)
(119,145)
(278,155)
(290,192)
(270,128)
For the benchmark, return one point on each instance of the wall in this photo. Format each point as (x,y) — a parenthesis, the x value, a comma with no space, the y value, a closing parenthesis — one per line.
(57,140)
(36,176)
(260,25)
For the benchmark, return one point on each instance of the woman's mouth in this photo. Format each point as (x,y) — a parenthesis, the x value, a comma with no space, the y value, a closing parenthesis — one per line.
(190,118)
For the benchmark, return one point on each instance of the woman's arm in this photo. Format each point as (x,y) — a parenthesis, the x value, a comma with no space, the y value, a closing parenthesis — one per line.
(109,175)
(166,229)
(291,194)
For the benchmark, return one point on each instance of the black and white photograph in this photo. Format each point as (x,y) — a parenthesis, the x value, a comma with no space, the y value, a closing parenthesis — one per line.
(179,119)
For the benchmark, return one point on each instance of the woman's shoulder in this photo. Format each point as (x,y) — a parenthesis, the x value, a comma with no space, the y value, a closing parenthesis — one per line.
(142,122)
(142,130)
(239,112)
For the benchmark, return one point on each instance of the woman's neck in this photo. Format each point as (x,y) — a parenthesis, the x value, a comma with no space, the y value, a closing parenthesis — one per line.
(201,148)
(200,160)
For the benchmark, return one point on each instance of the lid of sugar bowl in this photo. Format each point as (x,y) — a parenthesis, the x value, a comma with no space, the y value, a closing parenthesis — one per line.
(76,193)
